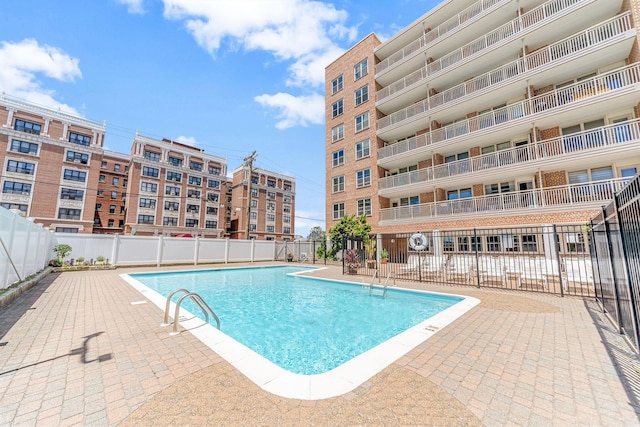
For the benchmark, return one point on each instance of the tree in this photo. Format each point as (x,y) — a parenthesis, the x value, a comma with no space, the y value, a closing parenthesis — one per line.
(349,226)
(62,251)
(316,233)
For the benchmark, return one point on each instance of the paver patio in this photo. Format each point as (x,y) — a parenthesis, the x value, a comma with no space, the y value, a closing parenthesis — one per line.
(74,350)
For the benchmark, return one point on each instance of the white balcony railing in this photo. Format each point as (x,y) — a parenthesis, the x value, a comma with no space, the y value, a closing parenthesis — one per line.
(588,193)
(573,45)
(508,30)
(605,136)
(442,29)
(604,83)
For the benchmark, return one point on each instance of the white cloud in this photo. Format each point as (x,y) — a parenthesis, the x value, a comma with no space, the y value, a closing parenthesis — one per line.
(294,110)
(188,140)
(133,6)
(21,62)
(302,32)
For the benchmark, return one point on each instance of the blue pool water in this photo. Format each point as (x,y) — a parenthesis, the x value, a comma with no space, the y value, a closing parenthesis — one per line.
(304,325)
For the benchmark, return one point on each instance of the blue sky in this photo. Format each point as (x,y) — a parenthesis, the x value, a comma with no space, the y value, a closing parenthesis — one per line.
(228,76)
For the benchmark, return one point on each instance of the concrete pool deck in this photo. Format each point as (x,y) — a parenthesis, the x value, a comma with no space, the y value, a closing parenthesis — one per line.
(85,348)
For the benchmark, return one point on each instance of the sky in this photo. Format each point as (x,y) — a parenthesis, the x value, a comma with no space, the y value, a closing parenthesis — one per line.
(227,76)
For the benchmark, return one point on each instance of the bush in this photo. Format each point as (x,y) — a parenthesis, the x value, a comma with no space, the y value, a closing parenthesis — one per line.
(62,251)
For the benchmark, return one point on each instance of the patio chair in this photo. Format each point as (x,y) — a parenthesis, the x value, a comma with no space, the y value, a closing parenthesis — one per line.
(433,267)
(303,257)
(491,269)
(460,267)
(412,265)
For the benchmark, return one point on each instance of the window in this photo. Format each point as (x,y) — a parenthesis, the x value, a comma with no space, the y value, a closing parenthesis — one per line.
(98,206)
(64,213)
(271,183)
(100,193)
(195,180)
(254,192)
(286,208)
(112,209)
(337,108)
(254,203)
(338,158)
(116,167)
(214,170)
(115,181)
(364,207)
(362,149)
(171,206)
(193,208)
(596,174)
(190,222)
(336,85)
(21,208)
(286,199)
(448,244)
(213,183)
(24,147)
(502,187)
(362,122)
(146,219)
(286,219)
(103,165)
(360,70)
(193,194)
(28,127)
(174,176)
(110,223)
(114,195)
(20,167)
(253,215)
(628,172)
(150,172)
(338,184)
(575,242)
(362,95)
(195,166)
(271,195)
(252,227)
(338,210)
(286,230)
(412,200)
(170,222)
(75,157)
(125,182)
(121,210)
(102,178)
(72,175)
(120,223)
(150,155)
(150,187)
(212,197)
(174,161)
(363,178)
(172,191)
(16,188)
(211,224)
(147,203)
(463,193)
(493,243)
(271,217)
(212,210)
(529,243)
(271,228)
(254,179)
(71,194)
(66,230)
(286,187)
(337,133)
(271,206)
(496,147)
(77,138)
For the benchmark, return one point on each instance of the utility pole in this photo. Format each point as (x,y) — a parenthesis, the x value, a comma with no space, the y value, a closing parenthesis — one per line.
(248,162)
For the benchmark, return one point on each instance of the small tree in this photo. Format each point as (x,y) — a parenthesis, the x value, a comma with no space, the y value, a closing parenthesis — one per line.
(62,250)
(349,226)
(316,233)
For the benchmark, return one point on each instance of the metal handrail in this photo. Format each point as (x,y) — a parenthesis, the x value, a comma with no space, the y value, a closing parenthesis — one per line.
(197,300)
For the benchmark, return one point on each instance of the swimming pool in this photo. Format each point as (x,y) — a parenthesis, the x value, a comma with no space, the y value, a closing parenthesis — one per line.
(307,327)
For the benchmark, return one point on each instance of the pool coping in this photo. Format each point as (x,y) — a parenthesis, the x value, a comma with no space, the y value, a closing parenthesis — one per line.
(340,380)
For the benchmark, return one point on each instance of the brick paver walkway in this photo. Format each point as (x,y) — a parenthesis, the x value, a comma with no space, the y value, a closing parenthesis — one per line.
(74,350)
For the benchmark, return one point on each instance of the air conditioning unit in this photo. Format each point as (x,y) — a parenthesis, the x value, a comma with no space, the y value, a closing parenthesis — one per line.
(77,161)
(174,193)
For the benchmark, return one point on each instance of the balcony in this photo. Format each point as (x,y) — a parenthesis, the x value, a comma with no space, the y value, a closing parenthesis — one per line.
(537,19)
(590,195)
(605,92)
(595,143)
(587,42)
(434,36)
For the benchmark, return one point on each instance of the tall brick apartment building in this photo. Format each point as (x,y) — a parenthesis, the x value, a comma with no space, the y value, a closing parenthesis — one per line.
(55,170)
(486,114)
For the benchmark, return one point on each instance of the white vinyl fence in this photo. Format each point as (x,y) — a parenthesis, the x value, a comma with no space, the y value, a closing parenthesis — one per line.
(25,248)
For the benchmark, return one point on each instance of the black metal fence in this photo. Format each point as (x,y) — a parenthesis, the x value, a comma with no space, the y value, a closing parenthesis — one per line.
(616,258)
(549,258)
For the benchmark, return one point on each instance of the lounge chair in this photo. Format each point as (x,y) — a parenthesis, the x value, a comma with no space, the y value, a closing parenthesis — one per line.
(460,267)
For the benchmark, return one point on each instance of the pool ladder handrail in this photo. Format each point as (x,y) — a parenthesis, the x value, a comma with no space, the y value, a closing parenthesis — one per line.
(197,300)
(381,289)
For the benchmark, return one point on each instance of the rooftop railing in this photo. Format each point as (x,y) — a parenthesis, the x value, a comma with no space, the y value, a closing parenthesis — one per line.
(589,140)
(557,98)
(442,29)
(594,193)
(508,30)
(575,44)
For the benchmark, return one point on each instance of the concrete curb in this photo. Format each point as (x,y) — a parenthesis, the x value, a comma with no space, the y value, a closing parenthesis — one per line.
(21,287)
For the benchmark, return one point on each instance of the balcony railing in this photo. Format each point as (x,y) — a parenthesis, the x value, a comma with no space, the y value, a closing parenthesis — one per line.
(604,83)
(605,136)
(510,29)
(442,29)
(596,192)
(575,44)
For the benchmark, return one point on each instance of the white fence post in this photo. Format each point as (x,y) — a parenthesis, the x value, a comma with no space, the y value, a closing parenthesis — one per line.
(196,251)
(253,249)
(226,251)
(115,249)
(159,250)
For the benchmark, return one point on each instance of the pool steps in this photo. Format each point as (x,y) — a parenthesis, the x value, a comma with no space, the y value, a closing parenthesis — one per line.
(381,290)
(197,299)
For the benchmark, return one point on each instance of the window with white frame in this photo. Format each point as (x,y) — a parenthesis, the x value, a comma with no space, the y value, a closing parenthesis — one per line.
(337,133)
(172,191)
(211,224)
(286,230)
(364,207)
(24,147)
(146,219)
(271,228)
(336,85)
(147,203)
(362,95)
(338,184)
(500,187)
(411,200)
(337,158)
(286,219)
(363,149)
(271,195)
(363,178)
(337,108)
(362,122)
(338,210)
(253,216)
(593,174)
(170,221)
(463,193)
(286,208)
(360,70)
(271,217)
(254,192)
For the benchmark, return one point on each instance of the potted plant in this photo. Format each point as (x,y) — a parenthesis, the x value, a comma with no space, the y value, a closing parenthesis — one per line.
(370,249)
(352,261)
(289,257)
(62,250)
(384,254)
